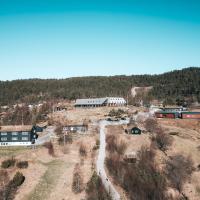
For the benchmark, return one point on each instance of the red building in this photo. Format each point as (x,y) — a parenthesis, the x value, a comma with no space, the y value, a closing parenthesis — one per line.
(190,115)
(170,115)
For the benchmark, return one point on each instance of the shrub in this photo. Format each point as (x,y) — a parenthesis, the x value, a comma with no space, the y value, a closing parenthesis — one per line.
(50,148)
(151,125)
(8,163)
(115,145)
(68,139)
(59,129)
(12,186)
(142,180)
(116,113)
(95,189)
(83,150)
(97,142)
(162,140)
(22,164)
(179,170)
(77,184)
(18,179)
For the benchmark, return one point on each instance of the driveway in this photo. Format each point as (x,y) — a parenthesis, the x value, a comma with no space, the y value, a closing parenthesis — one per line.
(48,133)
(101,159)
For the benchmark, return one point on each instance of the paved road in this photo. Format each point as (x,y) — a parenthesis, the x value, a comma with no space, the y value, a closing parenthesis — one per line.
(48,133)
(101,159)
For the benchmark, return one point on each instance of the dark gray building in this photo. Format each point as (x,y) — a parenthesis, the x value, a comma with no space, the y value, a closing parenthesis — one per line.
(17,135)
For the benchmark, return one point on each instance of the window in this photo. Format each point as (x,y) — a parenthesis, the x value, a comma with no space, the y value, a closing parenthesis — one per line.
(3,139)
(14,138)
(3,133)
(14,133)
(24,138)
(24,133)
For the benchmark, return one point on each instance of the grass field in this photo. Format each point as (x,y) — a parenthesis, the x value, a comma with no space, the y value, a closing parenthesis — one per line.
(13,151)
(48,181)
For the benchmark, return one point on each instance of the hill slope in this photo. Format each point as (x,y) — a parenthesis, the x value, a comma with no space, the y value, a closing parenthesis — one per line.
(178,83)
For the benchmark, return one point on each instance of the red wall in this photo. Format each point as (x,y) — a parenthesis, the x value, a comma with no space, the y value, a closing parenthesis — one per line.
(191,116)
(168,115)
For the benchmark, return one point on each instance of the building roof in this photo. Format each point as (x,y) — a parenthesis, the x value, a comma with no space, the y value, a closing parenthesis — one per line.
(95,101)
(42,124)
(15,128)
(193,113)
(166,112)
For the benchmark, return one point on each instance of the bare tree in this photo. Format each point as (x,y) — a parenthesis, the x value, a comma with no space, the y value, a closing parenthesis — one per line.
(77,184)
(115,145)
(179,170)
(151,125)
(162,140)
(83,150)
(50,148)
(4,179)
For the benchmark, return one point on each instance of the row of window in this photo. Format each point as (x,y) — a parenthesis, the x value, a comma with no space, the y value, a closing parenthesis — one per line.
(14,133)
(14,138)
(6,143)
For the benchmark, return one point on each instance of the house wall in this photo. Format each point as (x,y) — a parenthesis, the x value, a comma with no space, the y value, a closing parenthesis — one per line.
(190,116)
(116,101)
(165,115)
(16,138)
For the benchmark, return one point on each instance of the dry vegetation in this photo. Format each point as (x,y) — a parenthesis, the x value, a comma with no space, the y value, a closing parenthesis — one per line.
(95,189)
(166,165)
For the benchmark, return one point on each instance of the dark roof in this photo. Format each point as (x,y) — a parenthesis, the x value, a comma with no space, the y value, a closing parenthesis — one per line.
(166,112)
(194,113)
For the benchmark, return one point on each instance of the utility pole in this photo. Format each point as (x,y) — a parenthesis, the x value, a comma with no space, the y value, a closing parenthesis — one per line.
(22,116)
(127,99)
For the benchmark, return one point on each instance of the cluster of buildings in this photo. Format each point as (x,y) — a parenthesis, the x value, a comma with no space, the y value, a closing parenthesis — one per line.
(100,102)
(174,113)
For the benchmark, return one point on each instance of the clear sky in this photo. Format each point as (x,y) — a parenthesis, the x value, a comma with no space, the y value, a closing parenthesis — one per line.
(64,38)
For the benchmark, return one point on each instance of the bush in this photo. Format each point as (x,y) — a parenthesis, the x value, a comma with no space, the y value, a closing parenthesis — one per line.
(59,129)
(12,186)
(50,148)
(18,179)
(142,180)
(77,184)
(116,113)
(95,189)
(22,164)
(162,140)
(179,170)
(97,142)
(114,145)
(151,125)
(83,150)
(8,163)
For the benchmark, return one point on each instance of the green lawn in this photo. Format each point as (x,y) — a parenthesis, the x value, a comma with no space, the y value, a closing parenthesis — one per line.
(48,181)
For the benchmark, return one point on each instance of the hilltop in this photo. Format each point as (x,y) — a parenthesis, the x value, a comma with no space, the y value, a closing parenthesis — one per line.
(169,86)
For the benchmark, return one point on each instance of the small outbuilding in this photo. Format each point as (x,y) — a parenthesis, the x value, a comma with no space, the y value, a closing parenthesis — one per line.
(135,131)
(76,128)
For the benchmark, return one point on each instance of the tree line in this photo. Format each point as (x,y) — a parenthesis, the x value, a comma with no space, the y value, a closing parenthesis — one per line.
(171,87)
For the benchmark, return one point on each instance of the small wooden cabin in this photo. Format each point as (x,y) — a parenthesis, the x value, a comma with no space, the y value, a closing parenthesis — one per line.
(133,131)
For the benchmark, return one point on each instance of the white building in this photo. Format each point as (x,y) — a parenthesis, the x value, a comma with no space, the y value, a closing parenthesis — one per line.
(116,101)
(98,102)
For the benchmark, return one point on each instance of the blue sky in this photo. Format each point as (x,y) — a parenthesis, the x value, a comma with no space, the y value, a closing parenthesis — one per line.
(65,38)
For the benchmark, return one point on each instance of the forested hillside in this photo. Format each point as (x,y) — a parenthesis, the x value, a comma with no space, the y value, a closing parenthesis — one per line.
(170,86)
